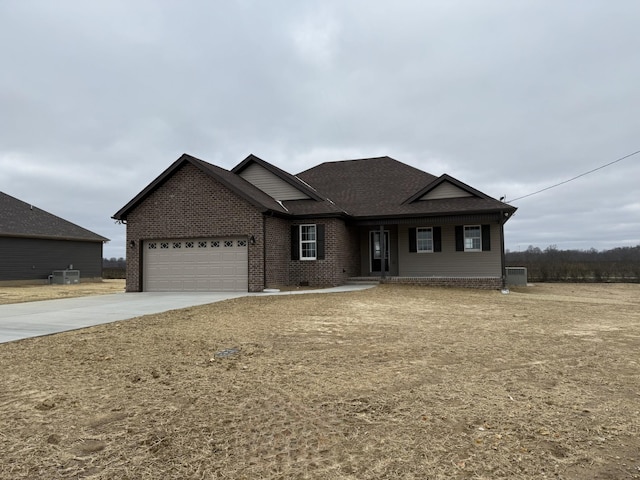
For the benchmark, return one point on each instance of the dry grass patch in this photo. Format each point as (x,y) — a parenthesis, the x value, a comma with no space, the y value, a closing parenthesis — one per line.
(33,293)
(392,382)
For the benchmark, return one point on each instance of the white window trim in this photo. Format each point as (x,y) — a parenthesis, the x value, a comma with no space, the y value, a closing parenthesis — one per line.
(302,242)
(429,229)
(464,238)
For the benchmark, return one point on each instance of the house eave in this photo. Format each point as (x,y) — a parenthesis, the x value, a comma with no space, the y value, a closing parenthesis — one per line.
(53,237)
(439,217)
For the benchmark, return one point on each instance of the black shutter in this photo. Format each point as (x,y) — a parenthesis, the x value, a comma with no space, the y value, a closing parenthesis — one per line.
(486,238)
(295,242)
(437,239)
(413,244)
(459,238)
(320,241)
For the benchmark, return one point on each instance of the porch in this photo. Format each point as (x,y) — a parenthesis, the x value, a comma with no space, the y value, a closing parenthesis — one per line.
(488,283)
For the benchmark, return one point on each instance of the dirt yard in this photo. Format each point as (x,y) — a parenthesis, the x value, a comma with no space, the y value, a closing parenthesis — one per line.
(32,293)
(395,382)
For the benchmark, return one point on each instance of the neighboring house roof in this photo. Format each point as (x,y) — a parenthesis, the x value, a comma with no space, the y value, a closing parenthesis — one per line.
(20,219)
(365,188)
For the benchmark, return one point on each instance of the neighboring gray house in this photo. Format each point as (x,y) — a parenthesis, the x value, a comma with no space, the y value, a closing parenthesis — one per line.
(34,243)
(201,227)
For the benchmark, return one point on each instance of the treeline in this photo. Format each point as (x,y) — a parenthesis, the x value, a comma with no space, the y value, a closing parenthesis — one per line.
(114,267)
(553,265)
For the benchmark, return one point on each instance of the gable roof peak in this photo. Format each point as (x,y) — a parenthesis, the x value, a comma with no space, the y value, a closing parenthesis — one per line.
(292,180)
(446,178)
(234,182)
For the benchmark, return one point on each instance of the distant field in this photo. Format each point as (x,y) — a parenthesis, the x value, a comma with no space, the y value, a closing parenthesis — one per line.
(392,382)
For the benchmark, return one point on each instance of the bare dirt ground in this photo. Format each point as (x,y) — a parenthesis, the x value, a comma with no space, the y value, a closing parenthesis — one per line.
(32,293)
(392,382)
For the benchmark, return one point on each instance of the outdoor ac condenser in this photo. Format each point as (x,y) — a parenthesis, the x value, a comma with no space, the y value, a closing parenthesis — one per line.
(516,276)
(65,277)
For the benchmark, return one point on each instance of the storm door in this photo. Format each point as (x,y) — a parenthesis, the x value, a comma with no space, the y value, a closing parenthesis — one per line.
(375,251)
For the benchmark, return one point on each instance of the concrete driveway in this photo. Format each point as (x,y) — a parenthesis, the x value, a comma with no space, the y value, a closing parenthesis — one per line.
(33,319)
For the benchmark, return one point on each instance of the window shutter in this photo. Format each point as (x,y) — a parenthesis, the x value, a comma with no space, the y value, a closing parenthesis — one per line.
(413,244)
(459,238)
(320,241)
(437,239)
(486,238)
(295,242)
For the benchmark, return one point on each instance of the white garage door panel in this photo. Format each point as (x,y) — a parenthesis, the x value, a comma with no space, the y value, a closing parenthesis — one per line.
(195,265)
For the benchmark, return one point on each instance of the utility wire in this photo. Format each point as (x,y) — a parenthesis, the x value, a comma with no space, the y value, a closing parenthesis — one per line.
(576,177)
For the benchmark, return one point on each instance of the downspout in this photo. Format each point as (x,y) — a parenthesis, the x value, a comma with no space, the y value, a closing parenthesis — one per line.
(502,254)
(264,251)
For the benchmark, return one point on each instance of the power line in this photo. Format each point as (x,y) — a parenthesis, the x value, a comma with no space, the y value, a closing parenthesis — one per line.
(576,177)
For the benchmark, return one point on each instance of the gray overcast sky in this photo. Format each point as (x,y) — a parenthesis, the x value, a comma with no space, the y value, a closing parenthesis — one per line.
(98,98)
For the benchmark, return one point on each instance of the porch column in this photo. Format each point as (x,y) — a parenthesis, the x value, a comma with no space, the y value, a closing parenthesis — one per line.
(383,250)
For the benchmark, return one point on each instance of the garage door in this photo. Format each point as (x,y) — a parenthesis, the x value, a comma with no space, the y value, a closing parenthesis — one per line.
(195,265)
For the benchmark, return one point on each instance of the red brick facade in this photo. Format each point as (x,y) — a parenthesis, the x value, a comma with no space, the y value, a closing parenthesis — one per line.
(341,257)
(278,252)
(193,204)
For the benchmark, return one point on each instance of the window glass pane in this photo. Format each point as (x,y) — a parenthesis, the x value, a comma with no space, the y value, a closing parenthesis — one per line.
(308,233)
(424,239)
(308,242)
(308,250)
(472,238)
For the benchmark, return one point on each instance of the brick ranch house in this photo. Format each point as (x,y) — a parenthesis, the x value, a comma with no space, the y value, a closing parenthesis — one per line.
(199,227)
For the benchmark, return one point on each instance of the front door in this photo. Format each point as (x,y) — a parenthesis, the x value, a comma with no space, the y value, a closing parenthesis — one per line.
(375,251)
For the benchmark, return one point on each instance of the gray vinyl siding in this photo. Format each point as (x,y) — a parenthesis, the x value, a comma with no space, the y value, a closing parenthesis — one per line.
(271,184)
(35,259)
(445,190)
(449,263)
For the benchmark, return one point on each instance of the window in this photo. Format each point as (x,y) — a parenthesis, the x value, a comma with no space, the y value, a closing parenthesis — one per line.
(228,243)
(242,243)
(177,245)
(164,245)
(188,244)
(472,238)
(152,246)
(202,244)
(215,244)
(307,242)
(424,240)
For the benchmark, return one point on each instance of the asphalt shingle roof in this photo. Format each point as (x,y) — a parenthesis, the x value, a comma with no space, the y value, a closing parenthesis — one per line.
(375,187)
(364,188)
(20,219)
